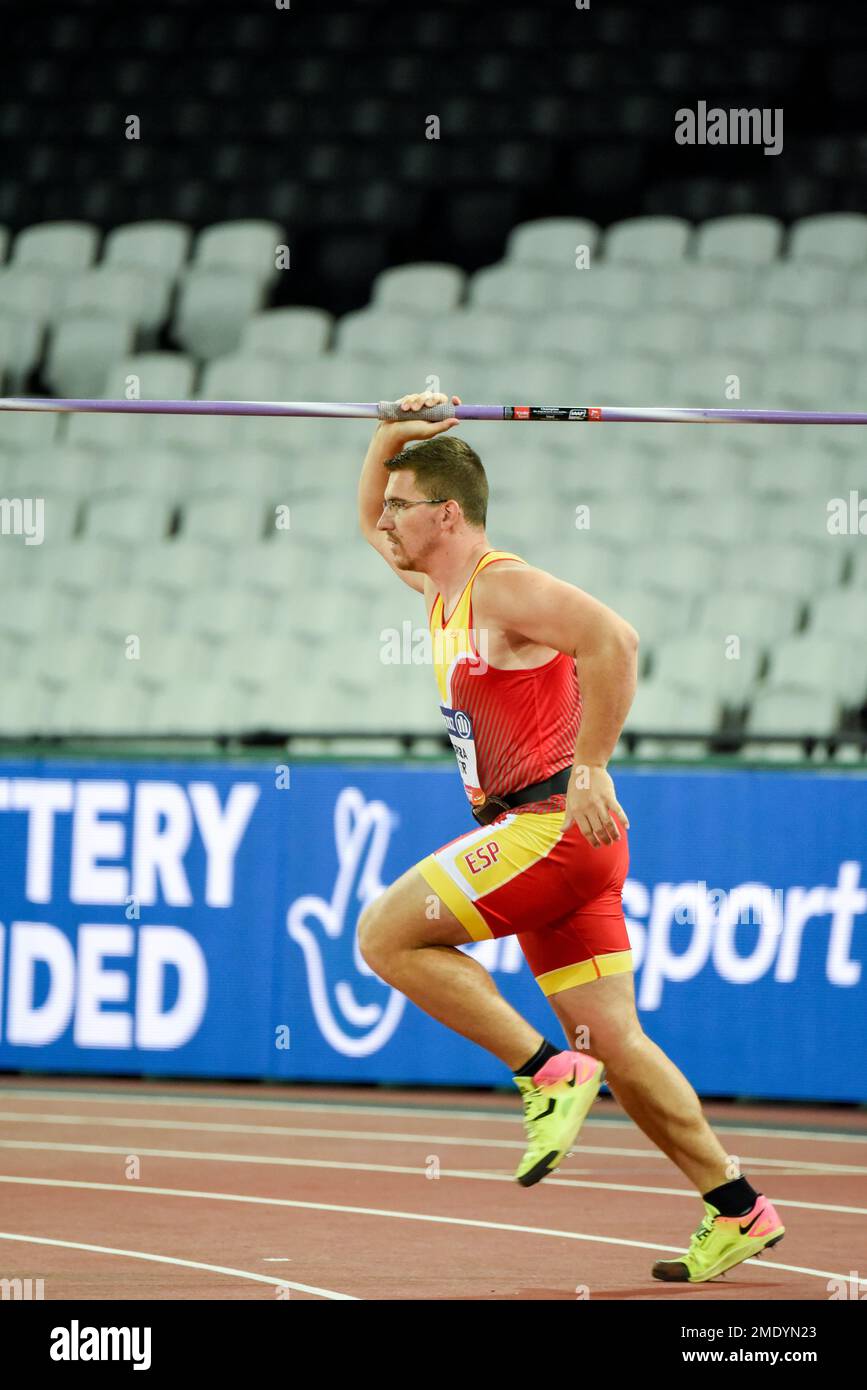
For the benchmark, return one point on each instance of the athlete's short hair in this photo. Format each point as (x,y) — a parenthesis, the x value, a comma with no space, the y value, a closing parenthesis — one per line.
(448,467)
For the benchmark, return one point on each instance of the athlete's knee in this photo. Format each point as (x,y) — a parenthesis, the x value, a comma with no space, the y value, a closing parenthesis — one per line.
(621,1050)
(372,933)
(616,1040)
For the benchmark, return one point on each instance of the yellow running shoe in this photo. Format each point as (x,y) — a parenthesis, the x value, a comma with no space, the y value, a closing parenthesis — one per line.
(723,1241)
(556,1101)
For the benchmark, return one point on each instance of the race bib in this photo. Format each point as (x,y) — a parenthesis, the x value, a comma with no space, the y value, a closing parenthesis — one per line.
(460,731)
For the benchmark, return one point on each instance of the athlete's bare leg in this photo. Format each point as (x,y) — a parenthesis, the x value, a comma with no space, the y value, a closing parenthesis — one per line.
(410,938)
(646,1083)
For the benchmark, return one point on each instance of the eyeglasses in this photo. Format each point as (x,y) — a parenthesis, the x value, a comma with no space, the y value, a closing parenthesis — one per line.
(397,504)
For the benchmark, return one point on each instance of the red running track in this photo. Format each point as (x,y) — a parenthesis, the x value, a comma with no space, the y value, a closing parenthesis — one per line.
(120,1189)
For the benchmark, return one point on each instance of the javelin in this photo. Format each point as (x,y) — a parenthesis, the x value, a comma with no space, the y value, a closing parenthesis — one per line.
(390,411)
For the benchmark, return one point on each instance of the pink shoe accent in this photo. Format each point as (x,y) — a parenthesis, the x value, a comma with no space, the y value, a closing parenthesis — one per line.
(766,1220)
(556,1068)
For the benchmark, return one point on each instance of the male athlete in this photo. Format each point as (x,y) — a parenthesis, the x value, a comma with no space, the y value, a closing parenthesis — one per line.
(550,856)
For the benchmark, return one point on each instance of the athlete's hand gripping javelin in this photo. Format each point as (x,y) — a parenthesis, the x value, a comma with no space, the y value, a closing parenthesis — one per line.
(411,427)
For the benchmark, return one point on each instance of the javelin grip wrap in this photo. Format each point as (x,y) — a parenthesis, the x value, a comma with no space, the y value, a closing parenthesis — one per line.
(390,411)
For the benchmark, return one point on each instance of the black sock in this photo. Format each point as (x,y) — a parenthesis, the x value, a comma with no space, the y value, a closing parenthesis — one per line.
(538,1059)
(733,1198)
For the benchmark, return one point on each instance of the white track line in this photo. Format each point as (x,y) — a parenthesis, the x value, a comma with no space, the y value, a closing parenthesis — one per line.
(203,1126)
(281,1161)
(445,1141)
(405,1111)
(476,1175)
(395,1215)
(171,1260)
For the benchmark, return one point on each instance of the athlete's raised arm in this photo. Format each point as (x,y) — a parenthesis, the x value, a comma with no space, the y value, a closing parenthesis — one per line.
(388,440)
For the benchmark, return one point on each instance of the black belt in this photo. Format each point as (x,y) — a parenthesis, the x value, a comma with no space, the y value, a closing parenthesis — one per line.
(494,806)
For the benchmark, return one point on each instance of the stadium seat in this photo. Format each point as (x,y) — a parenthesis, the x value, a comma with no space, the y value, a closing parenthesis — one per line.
(177,566)
(136,296)
(672,334)
(605,287)
(120,613)
(575,333)
(81,567)
(808,381)
(474,334)
(750,240)
(223,518)
(20,349)
(26,432)
(237,377)
(372,332)
(660,566)
(647,240)
(655,616)
(279,333)
(423,287)
(793,713)
(804,520)
(660,708)
(837,237)
(247,245)
(705,288)
(703,665)
(750,617)
(802,286)
(811,473)
(63,470)
(108,708)
(26,611)
(66,246)
(59,659)
(514,289)
(127,516)
(618,379)
(155,375)
(699,469)
(817,664)
(81,350)
(148,471)
(31,292)
(171,656)
(714,379)
(782,567)
(156,245)
(839,613)
(551,241)
(721,520)
(769,331)
(842,332)
(214,304)
(106,432)
(23,707)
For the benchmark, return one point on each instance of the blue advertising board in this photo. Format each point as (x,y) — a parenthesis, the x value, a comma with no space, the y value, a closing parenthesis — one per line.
(199,920)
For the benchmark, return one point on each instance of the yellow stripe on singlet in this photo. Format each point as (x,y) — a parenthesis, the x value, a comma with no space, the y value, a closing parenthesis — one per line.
(451,643)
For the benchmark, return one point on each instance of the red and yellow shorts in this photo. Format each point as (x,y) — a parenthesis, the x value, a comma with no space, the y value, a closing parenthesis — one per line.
(520,876)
